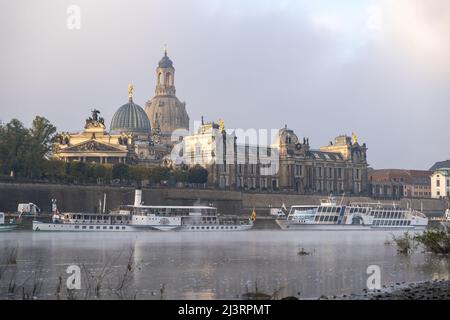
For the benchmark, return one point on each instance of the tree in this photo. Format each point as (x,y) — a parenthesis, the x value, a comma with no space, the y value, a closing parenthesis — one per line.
(41,137)
(54,170)
(138,173)
(77,171)
(23,151)
(120,171)
(159,174)
(180,175)
(14,147)
(198,174)
(42,133)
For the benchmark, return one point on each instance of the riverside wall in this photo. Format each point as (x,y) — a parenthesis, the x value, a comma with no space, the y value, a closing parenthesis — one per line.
(86,198)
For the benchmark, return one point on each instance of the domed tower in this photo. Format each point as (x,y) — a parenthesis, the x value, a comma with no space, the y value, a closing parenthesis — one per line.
(165,112)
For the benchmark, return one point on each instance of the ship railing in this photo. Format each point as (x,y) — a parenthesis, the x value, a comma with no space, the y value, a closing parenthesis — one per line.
(374,205)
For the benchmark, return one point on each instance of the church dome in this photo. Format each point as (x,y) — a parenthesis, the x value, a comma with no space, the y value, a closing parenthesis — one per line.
(165,62)
(130,118)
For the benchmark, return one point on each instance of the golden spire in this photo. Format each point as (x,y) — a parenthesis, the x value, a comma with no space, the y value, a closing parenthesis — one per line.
(165,49)
(355,138)
(130,90)
(221,125)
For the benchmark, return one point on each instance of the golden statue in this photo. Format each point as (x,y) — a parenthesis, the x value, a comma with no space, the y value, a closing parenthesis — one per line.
(355,138)
(130,90)
(221,125)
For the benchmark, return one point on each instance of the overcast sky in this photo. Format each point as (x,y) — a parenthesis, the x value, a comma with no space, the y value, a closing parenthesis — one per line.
(380,68)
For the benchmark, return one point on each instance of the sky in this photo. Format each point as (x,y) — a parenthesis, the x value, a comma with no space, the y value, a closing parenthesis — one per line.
(380,68)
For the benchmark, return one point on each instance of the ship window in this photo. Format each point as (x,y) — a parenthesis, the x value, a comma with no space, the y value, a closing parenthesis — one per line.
(110,228)
(123,228)
(98,227)
(83,227)
(77,227)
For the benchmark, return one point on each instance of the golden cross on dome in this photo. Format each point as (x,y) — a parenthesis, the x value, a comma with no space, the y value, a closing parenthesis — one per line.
(130,90)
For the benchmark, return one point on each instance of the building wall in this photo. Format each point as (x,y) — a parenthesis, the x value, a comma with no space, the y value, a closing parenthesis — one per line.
(440,185)
(287,165)
(399,183)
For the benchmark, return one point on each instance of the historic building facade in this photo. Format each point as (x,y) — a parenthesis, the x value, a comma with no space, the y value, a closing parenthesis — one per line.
(146,137)
(288,164)
(399,183)
(94,144)
(440,183)
(130,139)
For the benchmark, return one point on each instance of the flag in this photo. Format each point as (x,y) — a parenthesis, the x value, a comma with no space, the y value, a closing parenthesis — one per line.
(284,207)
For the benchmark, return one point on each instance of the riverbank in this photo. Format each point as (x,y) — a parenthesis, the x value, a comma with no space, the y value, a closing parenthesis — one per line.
(427,290)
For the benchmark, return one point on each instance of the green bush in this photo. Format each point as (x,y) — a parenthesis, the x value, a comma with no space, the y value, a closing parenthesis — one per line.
(435,241)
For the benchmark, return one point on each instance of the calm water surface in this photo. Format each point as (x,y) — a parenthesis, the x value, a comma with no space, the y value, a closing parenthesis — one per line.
(209,265)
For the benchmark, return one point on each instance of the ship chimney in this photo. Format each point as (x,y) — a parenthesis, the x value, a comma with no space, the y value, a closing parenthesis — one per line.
(137,197)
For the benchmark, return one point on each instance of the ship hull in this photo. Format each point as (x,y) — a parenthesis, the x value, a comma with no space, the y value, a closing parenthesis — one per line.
(69,227)
(215,228)
(287,225)
(7,227)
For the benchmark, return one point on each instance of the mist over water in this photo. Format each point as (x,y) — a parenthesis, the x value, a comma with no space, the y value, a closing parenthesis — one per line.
(222,265)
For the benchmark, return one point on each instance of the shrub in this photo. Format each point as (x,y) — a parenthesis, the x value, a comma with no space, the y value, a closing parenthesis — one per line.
(435,241)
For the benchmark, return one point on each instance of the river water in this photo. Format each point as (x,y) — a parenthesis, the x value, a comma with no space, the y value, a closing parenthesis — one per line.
(222,265)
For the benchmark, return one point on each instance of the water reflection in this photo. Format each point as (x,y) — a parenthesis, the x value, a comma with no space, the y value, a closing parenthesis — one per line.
(219,265)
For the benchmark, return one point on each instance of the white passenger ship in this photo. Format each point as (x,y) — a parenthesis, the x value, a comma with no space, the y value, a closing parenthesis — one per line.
(356,216)
(139,217)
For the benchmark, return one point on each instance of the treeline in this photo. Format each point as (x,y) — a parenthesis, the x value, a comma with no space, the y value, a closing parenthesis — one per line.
(25,155)
(120,173)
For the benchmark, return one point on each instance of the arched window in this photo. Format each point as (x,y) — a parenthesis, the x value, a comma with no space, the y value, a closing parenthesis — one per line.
(160,78)
(168,79)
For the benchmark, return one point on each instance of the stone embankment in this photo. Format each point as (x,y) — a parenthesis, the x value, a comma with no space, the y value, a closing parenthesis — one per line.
(88,198)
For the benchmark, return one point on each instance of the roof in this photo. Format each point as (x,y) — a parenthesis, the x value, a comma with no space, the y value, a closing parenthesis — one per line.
(420,177)
(165,62)
(443,171)
(440,164)
(323,155)
(130,118)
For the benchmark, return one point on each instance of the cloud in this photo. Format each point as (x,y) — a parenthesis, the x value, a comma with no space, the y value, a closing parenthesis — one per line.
(419,30)
(376,67)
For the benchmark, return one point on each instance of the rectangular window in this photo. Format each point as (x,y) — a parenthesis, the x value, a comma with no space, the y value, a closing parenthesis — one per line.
(438,183)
